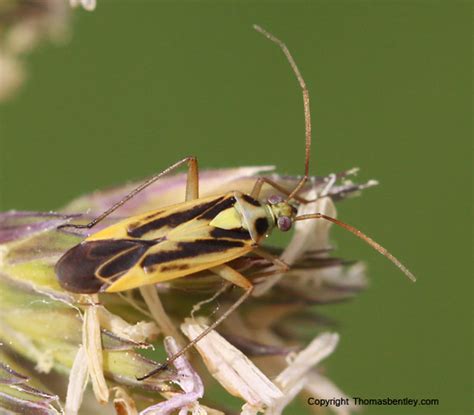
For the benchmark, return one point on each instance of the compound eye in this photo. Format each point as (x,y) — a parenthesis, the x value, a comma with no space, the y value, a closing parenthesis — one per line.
(273,200)
(284,223)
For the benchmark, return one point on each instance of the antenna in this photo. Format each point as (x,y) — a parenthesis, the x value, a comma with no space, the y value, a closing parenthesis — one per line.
(307,113)
(362,236)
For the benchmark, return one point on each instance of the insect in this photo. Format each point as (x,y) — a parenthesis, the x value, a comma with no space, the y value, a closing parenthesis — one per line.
(198,234)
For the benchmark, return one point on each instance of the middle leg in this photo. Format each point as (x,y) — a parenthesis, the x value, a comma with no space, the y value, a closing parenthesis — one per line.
(230,275)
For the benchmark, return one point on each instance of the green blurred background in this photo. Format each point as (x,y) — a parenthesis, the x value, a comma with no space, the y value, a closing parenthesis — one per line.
(141,84)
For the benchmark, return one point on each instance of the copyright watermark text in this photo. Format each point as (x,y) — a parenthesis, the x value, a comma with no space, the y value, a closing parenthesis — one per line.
(357,400)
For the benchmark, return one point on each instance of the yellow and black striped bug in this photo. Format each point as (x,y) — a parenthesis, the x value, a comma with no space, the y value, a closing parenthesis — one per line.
(198,234)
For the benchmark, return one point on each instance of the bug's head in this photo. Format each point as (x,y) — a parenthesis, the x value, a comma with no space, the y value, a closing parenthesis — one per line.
(283,212)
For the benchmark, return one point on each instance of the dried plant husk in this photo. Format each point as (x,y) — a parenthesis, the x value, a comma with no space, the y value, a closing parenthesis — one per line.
(22,392)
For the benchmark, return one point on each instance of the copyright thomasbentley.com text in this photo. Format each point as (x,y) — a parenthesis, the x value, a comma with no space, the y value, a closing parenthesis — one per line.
(337,402)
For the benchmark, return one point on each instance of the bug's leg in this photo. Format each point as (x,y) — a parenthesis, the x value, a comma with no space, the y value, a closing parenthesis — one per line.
(192,190)
(228,274)
(257,188)
(281,266)
(192,181)
(233,276)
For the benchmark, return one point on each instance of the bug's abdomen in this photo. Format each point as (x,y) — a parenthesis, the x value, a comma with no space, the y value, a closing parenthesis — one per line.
(92,266)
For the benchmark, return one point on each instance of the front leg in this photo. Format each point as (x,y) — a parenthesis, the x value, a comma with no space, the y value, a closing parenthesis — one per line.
(257,188)
(281,266)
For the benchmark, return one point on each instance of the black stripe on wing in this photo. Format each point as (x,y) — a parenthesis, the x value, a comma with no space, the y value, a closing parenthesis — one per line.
(138,230)
(207,211)
(188,250)
(87,267)
(236,233)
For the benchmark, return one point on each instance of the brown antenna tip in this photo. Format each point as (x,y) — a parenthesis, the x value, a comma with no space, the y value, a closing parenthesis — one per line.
(379,248)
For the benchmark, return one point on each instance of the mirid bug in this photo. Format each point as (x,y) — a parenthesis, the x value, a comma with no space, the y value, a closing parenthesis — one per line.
(198,234)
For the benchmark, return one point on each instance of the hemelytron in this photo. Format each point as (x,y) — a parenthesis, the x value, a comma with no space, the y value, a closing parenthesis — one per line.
(198,234)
